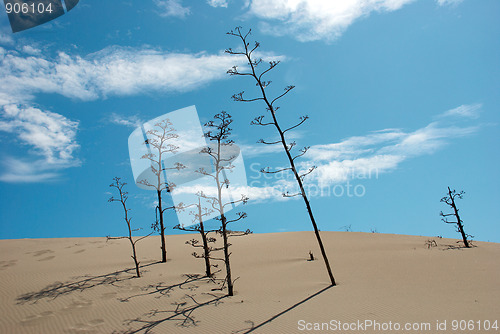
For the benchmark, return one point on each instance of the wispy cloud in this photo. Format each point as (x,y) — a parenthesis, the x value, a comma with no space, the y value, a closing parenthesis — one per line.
(32,170)
(172,8)
(50,134)
(218,3)
(111,71)
(251,151)
(378,152)
(5,38)
(375,153)
(448,2)
(463,111)
(51,137)
(130,121)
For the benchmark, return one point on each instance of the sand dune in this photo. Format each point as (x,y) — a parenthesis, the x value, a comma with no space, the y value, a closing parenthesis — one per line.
(86,285)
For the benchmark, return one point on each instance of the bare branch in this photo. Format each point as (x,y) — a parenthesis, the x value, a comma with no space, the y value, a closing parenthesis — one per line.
(311,169)
(258,121)
(302,152)
(272,64)
(302,120)
(267,170)
(239,98)
(287,89)
(287,194)
(262,141)
(290,146)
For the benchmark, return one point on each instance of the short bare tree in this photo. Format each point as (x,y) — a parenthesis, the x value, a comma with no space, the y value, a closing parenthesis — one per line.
(199,212)
(449,199)
(270,103)
(218,134)
(123,196)
(159,146)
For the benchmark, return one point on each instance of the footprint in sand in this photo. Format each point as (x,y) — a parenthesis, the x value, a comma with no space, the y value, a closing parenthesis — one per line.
(96,322)
(74,245)
(7,264)
(87,328)
(47,258)
(36,319)
(108,295)
(79,251)
(42,252)
(78,304)
(130,288)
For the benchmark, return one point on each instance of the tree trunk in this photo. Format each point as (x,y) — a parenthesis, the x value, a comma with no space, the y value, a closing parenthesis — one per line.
(272,111)
(134,256)
(301,187)
(135,259)
(162,230)
(226,257)
(208,270)
(459,222)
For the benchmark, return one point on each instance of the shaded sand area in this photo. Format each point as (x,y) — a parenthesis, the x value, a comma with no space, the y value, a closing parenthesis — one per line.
(84,285)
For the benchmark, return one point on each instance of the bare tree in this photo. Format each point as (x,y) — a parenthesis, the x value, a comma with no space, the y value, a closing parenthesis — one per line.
(218,135)
(271,107)
(449,199)
(123,200)
(199,227)
(159,146)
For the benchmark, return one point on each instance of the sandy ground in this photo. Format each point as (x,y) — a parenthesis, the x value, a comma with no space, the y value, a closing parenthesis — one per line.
(86,285)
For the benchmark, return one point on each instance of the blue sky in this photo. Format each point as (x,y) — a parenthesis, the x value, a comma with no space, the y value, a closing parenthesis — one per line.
(403,100)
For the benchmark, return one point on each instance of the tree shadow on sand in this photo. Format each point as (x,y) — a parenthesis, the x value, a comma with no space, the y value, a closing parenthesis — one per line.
(457,246)
(181,312)
(254,327)
(80,283)
(162,289)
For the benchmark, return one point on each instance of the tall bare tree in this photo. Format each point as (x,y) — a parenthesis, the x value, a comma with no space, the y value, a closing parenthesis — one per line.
(449,199)
(199,212)
(218,135)
(270,104)
(123,200)
(159,145)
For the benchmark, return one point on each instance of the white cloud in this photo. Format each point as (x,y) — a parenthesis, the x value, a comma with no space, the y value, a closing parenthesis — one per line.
(378,152)
(256,150)
(309,20)
(30,171)
(448,2)
(255,194)
(367,156)
(354,146)
(131,121)
(465,110)
(172,8)
(112,71)
(335,172)
(51,136)
(31,50)
(218,3)
(6,38)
